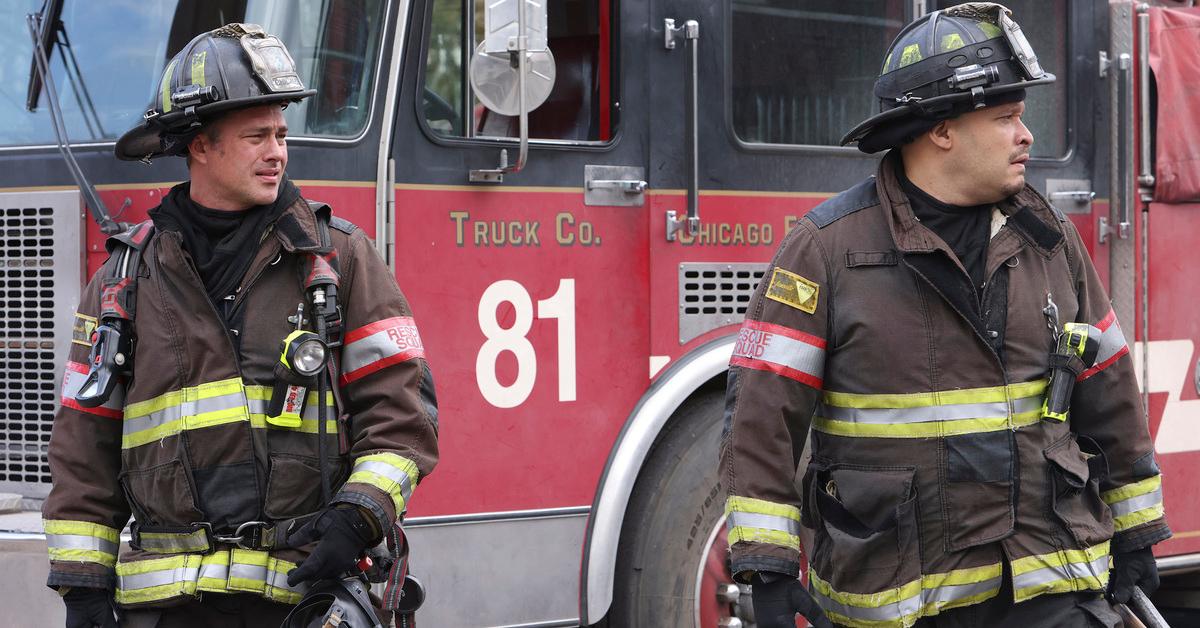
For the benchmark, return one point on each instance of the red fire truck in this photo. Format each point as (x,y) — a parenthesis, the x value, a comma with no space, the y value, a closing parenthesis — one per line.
(578,274)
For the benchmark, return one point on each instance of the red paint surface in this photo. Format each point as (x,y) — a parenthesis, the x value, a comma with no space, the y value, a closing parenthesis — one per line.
(543,453)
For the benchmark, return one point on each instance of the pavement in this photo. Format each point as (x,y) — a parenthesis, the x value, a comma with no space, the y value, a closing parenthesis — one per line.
(26,600)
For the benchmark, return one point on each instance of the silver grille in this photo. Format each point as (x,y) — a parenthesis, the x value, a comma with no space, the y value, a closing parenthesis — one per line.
(714,295)
(41,267)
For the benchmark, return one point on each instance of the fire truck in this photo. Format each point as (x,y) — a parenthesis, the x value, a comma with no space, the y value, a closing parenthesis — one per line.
(579,198)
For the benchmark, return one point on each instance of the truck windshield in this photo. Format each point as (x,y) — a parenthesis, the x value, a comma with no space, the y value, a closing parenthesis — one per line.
(108,64)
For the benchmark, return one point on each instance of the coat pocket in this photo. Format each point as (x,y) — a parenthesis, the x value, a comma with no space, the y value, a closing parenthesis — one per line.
(1075,491)
(161,495)
(866,527)
(294,485)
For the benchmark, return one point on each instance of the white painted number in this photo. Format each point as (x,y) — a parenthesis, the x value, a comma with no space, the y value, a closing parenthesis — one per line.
(560,306)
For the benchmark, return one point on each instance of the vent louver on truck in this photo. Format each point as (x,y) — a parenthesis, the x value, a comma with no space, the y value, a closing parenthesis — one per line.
(40,277)
(713,295)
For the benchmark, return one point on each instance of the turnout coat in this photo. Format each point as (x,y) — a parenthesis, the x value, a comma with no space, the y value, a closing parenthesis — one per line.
(932,465)
(184,444)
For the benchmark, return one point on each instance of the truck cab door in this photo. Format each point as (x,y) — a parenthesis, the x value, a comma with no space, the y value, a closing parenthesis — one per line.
(529,294)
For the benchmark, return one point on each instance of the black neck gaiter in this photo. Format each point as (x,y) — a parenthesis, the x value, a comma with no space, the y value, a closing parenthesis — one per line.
(221,243)
(966,230)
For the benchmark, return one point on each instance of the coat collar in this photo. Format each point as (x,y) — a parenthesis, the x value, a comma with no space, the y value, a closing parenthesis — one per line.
(1028,213)
(297,228)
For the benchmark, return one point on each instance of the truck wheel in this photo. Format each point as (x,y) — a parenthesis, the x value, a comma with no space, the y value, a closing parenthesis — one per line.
(671,568)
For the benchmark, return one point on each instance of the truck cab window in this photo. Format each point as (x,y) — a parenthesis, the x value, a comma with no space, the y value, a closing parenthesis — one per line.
(803,73)
(105,83)
(579,107)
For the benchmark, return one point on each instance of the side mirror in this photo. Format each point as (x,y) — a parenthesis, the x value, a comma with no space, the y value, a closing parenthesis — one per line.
(512,71)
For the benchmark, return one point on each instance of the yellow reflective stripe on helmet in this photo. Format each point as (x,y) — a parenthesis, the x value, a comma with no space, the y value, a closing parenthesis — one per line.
(220,572)
(901,606)
(165,87)
(81,541)
(1135,504)
(1059,572)
(910,55)
(990,30)
(198,60)
(953,41)
(388,472)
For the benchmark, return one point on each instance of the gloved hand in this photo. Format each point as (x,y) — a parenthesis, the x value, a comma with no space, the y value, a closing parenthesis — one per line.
(343,532)
(777,598)
(87,607)
(1130,569)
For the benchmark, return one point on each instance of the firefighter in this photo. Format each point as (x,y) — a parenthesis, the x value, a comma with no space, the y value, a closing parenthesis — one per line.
(906,328)
(262,357)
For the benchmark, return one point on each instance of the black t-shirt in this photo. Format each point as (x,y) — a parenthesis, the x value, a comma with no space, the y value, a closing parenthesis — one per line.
(967,230)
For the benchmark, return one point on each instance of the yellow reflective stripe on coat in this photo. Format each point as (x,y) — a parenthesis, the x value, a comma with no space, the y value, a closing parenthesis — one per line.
(225,571)
(760,521)
(930,414)
(207,405)
(82,541)
(1135,504)
(1060,572)
(390,473)
(901,606)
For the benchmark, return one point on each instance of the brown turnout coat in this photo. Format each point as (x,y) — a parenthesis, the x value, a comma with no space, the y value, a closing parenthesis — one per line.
(932,465)
(186,441)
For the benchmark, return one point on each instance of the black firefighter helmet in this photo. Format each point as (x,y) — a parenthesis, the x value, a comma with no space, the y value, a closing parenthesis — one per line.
(235,66)
(945,64)
(342,602)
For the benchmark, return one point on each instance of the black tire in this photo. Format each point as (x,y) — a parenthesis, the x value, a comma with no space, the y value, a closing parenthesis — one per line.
(676,502)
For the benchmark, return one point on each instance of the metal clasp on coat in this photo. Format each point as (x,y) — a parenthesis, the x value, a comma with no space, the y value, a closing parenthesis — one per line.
(247,535)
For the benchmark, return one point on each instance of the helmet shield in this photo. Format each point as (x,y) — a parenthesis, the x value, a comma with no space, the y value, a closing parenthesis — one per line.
(945,64)
(235,66)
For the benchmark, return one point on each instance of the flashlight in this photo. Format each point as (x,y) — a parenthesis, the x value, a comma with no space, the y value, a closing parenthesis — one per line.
(302,357)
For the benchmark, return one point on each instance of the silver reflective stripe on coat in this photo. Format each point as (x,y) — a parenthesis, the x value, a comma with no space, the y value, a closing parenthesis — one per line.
(173,542)
(1136,503)
(950,412)
(390,472)
(133,582)
(184,409)
(739,519)
(81,542)
(1098,568)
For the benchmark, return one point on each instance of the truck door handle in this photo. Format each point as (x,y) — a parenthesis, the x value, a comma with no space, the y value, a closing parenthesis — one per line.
(627,186)
(690,32)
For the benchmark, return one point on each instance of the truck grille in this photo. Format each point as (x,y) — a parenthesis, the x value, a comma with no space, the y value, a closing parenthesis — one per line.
(40,274)
(713,295)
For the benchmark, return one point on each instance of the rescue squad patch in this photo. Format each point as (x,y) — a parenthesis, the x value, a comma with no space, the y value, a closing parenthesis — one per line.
(81,331)
(792,289)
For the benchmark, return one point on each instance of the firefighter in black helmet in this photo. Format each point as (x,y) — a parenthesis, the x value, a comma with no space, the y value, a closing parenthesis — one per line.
(904,333)
(269,412)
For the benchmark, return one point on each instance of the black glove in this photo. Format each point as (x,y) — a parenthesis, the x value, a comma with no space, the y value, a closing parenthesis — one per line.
(777,598)
(1130,569)
(87,607)
(344,532)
